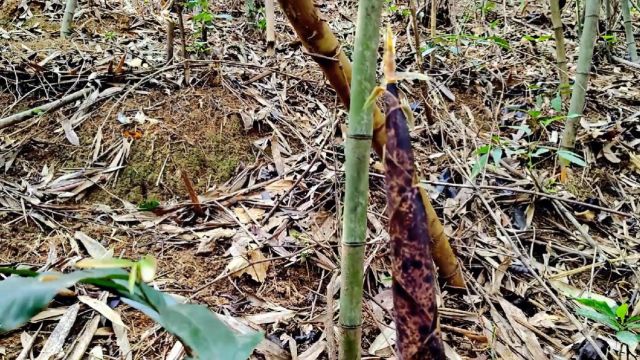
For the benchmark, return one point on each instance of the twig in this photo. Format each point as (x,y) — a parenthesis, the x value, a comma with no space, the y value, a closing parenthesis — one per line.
(627,62)
(532,192)
(170,33)
(197,207)
(39,110)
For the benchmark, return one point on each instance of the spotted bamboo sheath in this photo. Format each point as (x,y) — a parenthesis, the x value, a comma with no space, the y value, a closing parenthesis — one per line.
(414,287)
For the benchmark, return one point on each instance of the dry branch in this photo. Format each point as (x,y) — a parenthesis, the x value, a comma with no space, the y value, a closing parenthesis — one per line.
(27,114)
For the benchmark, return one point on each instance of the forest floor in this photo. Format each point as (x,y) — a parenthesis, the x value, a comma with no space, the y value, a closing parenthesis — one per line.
(259,138)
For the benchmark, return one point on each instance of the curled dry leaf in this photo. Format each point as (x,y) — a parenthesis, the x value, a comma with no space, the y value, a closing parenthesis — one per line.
(249,215)
(253,263)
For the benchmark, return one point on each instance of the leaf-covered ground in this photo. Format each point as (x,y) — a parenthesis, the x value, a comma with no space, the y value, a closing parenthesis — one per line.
(260,138)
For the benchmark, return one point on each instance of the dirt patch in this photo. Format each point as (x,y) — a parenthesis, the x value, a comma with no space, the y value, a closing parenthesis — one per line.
(194,135)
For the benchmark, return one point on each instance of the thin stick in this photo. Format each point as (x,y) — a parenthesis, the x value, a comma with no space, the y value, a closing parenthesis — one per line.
(197,207)
(39,110)
(532,192)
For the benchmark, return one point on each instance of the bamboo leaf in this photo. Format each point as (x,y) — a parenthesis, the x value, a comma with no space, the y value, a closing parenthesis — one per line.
(598,305)
(621,311)
(599,318)
(571,157)
(479,165)
(627,337)
(198,329)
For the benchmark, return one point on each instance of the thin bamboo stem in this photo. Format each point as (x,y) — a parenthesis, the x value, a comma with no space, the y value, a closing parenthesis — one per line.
(357,149)
(271,26)
(561,55)
(628,30)
(67,18)
(585,55)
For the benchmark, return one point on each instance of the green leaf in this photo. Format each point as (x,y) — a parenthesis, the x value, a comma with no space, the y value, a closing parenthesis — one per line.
(598,305)
(204,17)
(484,149)
(548,120)
(534,113)
(632,325)
(621,311)
(571,157)
(199,329)
(479,165)
(628,338)
(22,298)
(149,205)
(496,154)
(630,320)
(556,103)
(539,152)
(599,318)
(500,41)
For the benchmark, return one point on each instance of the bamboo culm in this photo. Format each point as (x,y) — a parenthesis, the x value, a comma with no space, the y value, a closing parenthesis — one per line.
(317,38)
(357,154)
(585,55)
(561,54)
(67,18)
(628,31)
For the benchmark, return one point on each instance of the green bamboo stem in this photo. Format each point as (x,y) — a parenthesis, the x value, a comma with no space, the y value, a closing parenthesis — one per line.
(357,149)
(67,18)
(561,54)
(585,55)
(628,30)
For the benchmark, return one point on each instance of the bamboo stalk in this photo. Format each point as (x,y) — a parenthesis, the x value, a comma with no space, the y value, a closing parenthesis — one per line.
(416,32)
(322,45)
(270,18)
(585,55)
(628,31)
(170,36)
(561,55)
(67,18)
(434,7)
(357,149)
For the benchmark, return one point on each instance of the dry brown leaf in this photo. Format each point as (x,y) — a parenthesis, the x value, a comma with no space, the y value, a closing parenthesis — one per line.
(249,215)
(254,264)
(279,186)
(103,309)
(635,162)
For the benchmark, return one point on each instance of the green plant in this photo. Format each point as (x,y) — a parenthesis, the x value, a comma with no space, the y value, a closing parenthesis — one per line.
(149,205)
(393,8)
(261,24)
(204,335)
(198,47)
(541,38)
(615,317)
(610,39)
(110,36)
